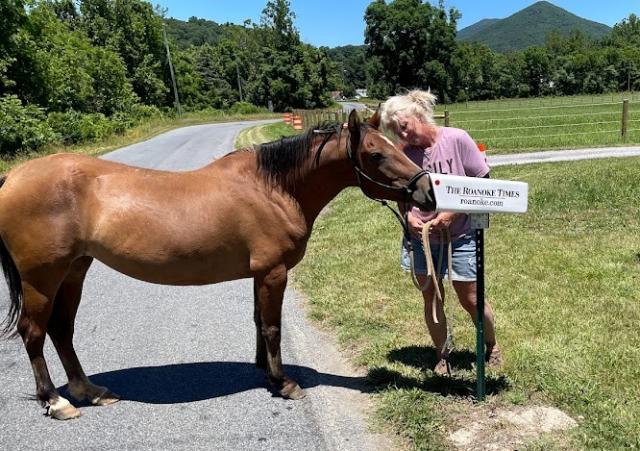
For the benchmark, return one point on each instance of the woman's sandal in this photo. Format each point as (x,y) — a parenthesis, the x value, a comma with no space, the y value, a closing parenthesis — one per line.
(442,368)
(493,357)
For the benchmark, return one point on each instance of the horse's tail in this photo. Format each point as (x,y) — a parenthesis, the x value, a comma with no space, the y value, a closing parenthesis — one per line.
(14,283)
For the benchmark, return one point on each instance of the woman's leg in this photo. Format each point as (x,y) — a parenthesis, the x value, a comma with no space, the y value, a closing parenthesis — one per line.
(437,331)
(467,295)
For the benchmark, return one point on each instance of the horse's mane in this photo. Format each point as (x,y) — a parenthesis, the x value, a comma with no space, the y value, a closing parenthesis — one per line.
(286,160)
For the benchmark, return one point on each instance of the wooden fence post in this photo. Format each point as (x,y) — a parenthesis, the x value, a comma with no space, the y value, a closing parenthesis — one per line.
(625,118)
(446,118)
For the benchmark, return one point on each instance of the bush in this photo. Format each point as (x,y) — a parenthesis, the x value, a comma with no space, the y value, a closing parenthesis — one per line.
(75,127)
(22,128)
(141,113)
(246,108)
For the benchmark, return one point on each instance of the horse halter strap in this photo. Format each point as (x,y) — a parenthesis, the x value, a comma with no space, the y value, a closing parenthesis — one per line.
(408,189)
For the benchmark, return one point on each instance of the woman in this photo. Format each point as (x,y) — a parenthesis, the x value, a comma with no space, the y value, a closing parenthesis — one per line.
(443,150)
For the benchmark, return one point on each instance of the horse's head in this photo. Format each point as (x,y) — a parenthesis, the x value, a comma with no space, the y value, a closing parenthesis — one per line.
(383,170)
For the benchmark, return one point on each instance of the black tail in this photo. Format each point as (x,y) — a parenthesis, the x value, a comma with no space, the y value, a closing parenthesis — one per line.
(14,282)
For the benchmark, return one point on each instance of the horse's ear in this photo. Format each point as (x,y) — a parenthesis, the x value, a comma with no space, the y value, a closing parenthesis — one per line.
(354,129)
(374,121)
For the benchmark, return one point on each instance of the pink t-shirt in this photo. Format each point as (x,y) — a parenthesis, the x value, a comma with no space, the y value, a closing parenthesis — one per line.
(454,152)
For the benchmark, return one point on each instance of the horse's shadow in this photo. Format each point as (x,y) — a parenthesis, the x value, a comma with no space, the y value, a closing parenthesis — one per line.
(461,383)
(189,382)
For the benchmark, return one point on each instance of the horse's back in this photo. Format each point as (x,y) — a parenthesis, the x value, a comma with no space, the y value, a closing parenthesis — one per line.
(217,223)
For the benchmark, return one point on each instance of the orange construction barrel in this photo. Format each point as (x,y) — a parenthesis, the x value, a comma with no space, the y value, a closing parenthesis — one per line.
(297,122)
(287,118)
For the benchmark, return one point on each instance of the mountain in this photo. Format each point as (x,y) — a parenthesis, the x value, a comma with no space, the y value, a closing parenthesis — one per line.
(469,33)
(529,27)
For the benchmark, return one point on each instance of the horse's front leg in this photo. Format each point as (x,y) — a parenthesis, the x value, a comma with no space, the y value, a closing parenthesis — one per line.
(269,291)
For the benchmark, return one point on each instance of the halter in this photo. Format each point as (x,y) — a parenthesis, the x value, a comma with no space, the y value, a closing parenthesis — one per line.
(408,189)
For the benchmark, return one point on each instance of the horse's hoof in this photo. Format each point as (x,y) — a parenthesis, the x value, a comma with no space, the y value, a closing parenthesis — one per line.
(106,398)
(292,391)
(62,410)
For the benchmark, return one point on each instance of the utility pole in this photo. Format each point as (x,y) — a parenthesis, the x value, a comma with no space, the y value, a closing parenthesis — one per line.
(173,76)
(239,86)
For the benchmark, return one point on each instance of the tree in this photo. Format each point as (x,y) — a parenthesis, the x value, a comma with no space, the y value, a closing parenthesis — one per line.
(60,69)
(351,67)
(12,17)
(475,72)
(627,32)
(410,44)
(536,69)
(288,74)
(278,18)
(134,30)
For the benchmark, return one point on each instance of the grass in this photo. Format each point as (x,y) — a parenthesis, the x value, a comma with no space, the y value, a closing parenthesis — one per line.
(136,134)
(263,133)
(563,279)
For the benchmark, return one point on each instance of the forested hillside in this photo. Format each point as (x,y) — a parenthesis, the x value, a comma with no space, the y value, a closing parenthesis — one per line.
(77,70)
(529,27)
(410,43)
(350,63)
(72,71)
(194,32)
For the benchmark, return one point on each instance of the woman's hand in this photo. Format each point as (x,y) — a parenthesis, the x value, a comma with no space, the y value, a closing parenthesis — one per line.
(443,221)
(415,224)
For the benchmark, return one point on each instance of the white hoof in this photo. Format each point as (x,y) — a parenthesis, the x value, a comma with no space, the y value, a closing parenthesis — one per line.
(61,409)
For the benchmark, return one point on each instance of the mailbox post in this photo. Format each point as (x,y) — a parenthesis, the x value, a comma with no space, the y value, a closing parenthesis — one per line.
(479,197)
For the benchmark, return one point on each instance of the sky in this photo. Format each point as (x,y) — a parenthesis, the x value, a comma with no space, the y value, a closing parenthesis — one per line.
(333,23)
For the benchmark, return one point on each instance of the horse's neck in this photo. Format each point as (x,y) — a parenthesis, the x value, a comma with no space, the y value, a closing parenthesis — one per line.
(325,181)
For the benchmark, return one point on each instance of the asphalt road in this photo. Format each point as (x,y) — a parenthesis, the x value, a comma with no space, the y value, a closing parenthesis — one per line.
(551,156)
(182,358)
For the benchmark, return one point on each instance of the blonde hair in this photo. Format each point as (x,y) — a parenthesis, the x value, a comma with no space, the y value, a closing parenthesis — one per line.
(414,103)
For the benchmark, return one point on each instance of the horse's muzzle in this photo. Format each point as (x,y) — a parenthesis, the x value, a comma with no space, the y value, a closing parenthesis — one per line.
(422,194)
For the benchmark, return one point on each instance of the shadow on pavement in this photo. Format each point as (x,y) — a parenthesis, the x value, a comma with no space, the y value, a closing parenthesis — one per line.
(189,382)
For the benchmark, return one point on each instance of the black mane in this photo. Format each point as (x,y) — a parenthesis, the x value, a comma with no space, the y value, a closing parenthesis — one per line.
(284,161)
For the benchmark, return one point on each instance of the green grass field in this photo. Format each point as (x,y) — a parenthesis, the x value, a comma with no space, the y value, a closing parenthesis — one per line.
(564,280)
(521,125)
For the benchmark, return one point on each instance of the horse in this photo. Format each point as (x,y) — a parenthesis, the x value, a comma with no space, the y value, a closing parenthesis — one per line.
(248,214)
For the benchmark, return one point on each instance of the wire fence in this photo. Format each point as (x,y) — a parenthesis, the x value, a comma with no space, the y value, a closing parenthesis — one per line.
(544,102)
(551,126)
(527,124)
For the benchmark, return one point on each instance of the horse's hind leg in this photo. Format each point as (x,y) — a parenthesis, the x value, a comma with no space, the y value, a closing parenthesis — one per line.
(38,293)
(61,328)
(269,288)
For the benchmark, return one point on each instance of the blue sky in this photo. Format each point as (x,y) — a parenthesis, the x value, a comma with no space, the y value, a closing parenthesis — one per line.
(340,22)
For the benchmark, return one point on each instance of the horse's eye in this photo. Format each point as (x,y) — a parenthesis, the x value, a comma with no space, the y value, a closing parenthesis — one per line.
(377,157)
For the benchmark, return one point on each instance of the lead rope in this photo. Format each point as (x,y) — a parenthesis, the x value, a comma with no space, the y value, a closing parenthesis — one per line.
(434,276)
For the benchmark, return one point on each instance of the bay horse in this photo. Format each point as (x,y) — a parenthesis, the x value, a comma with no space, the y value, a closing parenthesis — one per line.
(247,214)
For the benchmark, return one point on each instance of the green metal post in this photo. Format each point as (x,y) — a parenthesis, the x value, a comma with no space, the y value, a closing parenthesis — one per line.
(625,118)
(480,377)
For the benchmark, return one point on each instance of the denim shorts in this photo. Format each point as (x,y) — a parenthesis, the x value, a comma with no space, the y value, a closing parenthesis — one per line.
(463,262)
